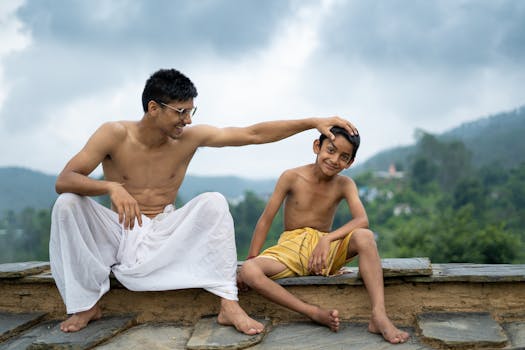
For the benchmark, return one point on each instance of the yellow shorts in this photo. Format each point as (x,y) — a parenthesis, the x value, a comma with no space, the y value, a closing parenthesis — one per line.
(295,247)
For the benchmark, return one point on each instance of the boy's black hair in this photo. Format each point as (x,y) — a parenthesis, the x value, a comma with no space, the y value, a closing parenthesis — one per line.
(355,140)
(166,85)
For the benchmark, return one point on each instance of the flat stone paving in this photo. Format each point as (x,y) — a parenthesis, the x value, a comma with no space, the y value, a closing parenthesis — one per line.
(438,330)
(11,323)
(306,335)
(150,337)
(516,332)
(472,330)
(209,335)
(49,335)
(462,329)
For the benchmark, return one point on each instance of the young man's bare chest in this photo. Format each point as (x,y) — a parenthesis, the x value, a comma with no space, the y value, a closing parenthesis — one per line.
(138,166)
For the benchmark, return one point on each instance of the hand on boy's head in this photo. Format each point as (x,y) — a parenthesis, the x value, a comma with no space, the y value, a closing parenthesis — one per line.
(343,123)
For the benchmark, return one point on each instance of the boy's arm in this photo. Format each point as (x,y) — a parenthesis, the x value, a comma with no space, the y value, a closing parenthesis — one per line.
(317,261)
(265,221)
(266,132)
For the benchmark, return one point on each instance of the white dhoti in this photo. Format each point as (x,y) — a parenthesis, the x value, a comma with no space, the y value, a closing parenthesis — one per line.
(191,247)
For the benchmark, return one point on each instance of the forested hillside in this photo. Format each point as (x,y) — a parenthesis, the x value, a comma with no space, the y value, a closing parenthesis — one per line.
(21,188)
(446,204)
(493,139)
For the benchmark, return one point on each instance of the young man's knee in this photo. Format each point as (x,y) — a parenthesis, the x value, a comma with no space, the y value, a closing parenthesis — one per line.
(215,201)
(67,201)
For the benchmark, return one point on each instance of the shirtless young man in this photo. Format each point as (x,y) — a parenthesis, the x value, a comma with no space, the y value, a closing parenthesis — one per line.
(311,195)
(146,242)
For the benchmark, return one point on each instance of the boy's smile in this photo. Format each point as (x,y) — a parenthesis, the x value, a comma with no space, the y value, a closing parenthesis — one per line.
(333,156)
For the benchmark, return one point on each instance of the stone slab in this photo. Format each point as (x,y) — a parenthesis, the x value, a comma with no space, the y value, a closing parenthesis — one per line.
(22,269)
(95,333)
(208,334)
(516,333)
(400,267)
(459,272)
(14,323)
(461,329)
(307,335)
(25,339)
(150,336)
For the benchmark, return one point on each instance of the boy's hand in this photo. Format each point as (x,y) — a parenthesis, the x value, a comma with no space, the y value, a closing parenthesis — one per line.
(317,261)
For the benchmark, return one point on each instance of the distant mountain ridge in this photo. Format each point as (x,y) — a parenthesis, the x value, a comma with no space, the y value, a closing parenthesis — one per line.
(21,188)
(496,139)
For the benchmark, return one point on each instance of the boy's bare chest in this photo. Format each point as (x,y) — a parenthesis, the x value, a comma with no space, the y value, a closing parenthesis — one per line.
(313,199)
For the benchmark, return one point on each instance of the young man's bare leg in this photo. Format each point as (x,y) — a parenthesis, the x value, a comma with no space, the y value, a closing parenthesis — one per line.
(232,314)
(255,273)
(363,243)
(80,320)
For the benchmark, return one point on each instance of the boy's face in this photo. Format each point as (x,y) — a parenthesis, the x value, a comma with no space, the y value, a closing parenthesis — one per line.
(333,156)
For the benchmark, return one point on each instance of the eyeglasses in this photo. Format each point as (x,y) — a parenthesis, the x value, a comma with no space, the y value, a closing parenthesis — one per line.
(183,112)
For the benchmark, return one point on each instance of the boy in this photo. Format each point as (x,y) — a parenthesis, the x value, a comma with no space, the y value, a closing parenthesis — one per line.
(311,194)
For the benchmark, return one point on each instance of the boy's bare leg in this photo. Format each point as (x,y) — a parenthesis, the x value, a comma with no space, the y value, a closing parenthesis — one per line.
(363,243)
(255,273)
(80,320)
(232,314)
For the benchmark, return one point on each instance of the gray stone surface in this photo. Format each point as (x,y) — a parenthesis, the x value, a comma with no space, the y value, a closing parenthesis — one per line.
(402,267)
(474,273)
(461,329)
(95,333)
(25,339)
(153,336)
(406,267)
(22,269)
(208,334)
(13,323)
(516,334)
(304,336)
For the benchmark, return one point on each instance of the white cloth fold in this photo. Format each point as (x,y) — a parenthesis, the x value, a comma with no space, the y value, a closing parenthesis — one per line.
(191,247)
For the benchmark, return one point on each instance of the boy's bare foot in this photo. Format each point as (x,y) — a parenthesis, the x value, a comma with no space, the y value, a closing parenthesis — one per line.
(381,324)
(232,314)
(81,319)
(329,318)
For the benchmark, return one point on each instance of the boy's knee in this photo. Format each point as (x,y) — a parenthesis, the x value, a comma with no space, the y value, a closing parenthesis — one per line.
(363,237)
(249,272)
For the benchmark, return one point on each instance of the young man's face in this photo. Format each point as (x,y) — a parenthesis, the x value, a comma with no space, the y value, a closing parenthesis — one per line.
(172,117)
(333,156)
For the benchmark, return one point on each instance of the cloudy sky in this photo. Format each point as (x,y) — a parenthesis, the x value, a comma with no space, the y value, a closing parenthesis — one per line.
(388,66)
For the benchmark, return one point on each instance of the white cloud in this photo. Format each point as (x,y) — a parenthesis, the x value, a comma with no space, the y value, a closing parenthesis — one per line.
(386,66)
(14,38)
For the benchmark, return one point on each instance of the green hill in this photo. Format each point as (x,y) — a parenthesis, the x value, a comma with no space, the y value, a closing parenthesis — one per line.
(21,188)
(493,139)
(496,139)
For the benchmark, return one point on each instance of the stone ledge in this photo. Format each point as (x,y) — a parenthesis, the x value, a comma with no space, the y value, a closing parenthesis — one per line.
(395,271)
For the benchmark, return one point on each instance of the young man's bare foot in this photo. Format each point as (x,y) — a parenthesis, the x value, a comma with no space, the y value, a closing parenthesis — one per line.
(381,324)
(232,314)
(81,319)
(329,318)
